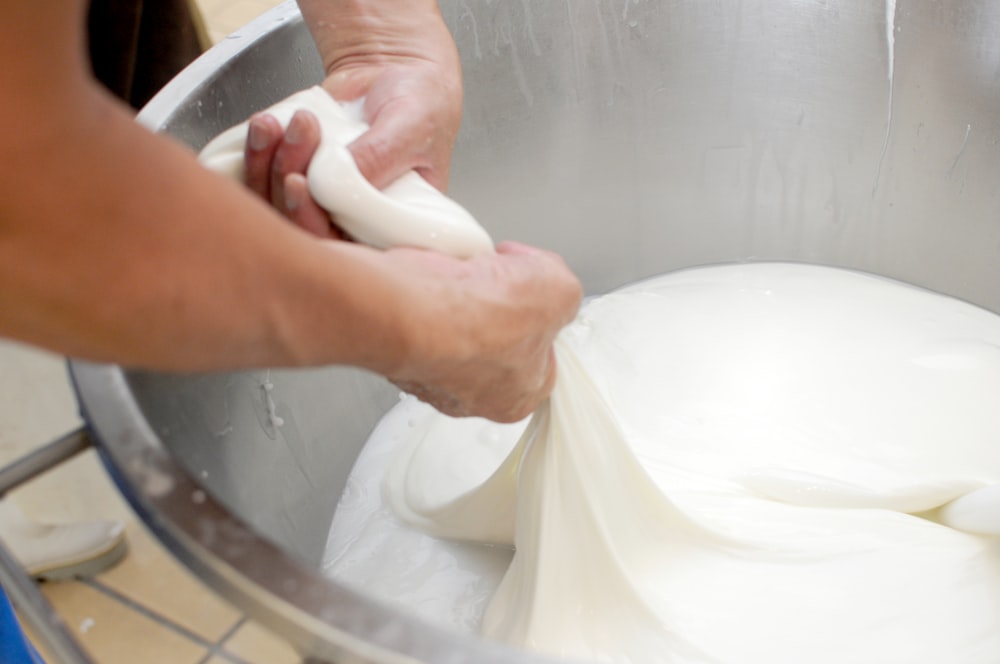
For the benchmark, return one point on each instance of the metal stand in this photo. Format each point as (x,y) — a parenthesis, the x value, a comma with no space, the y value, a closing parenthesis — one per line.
(23,591)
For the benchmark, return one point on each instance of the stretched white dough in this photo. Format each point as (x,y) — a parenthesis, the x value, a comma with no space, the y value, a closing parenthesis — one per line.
(790,419)
(975,512)
(797,487)
(407,213)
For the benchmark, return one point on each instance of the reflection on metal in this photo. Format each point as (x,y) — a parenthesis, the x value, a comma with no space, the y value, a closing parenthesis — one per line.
(890,44)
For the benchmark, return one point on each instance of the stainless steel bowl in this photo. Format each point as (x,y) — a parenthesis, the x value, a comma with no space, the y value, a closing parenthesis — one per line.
(632,137)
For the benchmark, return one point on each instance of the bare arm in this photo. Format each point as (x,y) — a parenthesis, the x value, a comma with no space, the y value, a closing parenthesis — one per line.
(116,246)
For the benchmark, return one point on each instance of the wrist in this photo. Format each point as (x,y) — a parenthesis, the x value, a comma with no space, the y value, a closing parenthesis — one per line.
(366,322)
(352,32)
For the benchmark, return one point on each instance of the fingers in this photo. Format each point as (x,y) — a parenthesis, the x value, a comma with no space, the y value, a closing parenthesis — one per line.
(304,211)
(382,153)
(504,401)
(536,388)
(548,376)
(510,248)
(263,138)
(293,154)
(274,153)
(485,343)
(546,269)
(276,162)
(413,116)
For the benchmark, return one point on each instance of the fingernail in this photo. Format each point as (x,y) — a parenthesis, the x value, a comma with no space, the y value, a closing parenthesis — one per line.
(295,129)
(257,137)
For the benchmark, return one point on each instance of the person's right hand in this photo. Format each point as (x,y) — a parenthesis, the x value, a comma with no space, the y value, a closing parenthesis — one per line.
(480,331)
(476,334)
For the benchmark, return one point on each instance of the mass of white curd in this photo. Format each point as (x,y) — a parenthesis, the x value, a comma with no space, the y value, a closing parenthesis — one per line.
(745,464)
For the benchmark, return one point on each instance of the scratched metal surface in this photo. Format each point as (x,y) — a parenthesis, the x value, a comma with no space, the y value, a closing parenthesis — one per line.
(640,136)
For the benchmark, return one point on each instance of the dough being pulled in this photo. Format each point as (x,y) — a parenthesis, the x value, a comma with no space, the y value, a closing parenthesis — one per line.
(407,213)
(743,464)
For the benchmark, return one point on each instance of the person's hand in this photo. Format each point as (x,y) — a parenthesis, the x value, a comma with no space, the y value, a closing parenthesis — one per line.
(480,331)
(402,61)
(275,167)
(413,104)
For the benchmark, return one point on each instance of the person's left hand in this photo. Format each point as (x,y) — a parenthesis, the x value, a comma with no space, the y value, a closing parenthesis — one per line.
(406,69)
(276,162)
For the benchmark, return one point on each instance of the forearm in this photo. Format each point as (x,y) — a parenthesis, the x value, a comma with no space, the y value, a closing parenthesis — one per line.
(116,246)
(346,30)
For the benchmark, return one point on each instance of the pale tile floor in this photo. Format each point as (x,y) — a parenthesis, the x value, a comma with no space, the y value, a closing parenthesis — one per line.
(148,608)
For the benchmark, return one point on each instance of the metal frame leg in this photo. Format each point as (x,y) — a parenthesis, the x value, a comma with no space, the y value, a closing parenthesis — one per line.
(23,591)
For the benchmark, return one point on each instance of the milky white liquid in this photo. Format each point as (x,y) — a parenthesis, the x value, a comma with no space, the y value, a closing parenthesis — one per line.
(773,444)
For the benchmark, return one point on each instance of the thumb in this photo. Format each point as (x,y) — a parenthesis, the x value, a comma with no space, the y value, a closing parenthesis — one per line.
(383,152)
(380,152)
